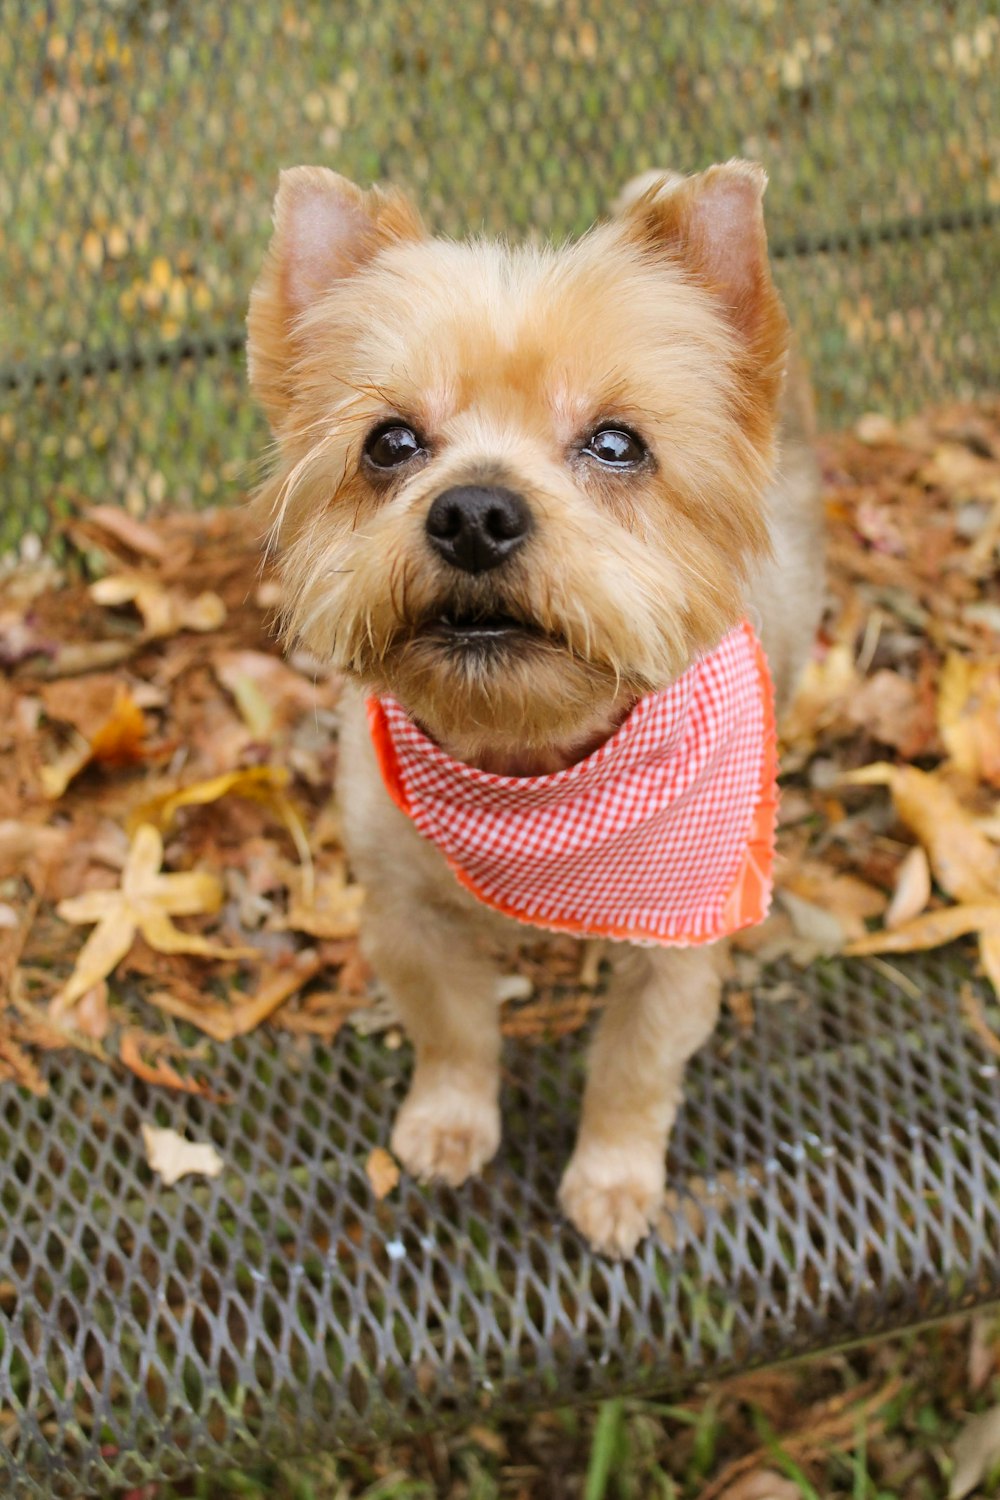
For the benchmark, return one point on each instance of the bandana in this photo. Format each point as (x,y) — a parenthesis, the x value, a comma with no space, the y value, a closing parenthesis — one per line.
(664,834)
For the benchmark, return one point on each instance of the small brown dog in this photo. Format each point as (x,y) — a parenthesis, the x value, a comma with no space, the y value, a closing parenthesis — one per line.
(518,491)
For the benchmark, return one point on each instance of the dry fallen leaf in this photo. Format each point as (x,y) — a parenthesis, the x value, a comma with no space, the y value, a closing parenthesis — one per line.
(267,692)
(969,715)
(16,1066)
(132,533)
(222,1021)
(334,913)
(144,902)
(172,1156)
(932,930)
(913,888)
(382,1172)
(965,863)
(977,1449)
(263,784)
(762,1484)
(137,1046)
(164,610)
(117,740)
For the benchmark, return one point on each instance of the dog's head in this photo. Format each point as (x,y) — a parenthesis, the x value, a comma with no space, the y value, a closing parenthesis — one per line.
(517,487)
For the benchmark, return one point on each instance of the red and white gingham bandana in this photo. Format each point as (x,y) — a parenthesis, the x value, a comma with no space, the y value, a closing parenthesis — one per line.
(664,834)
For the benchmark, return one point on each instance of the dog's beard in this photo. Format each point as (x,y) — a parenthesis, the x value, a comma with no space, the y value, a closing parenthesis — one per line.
(541,655)
(534,666)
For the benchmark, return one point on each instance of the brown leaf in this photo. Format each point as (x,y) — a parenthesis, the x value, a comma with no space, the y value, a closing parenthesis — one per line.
(16,1066)
(116,738)
(126,530)
(382,1172)
(223,1021)
(77,658)
(135,1041)
(851,900)
(91,1014)
(267,692)
(22,844)
(890,708)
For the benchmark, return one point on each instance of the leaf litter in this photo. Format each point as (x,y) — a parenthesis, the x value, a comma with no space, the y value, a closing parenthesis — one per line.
(166,774)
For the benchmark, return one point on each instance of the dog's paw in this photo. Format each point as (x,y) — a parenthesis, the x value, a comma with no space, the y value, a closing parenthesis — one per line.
(446,1134)
(612,1195)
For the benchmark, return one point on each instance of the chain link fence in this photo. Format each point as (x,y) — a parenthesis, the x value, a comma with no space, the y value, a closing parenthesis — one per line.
(142,141)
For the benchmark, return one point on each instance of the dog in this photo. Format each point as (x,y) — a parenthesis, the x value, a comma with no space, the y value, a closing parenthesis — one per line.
(526,499)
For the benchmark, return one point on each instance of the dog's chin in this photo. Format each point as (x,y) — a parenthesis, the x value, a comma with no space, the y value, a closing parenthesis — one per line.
(503,694)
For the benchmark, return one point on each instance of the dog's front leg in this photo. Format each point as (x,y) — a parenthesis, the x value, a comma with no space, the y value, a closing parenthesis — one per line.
(444,990)
(662,1005)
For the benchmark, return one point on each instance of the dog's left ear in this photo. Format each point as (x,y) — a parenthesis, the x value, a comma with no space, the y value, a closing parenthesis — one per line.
(712,225)
(325,229)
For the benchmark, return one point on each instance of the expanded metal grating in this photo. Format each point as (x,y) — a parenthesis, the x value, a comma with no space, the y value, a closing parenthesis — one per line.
(835,1173)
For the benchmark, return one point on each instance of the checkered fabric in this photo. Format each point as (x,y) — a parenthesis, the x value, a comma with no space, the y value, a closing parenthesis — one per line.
(665,834)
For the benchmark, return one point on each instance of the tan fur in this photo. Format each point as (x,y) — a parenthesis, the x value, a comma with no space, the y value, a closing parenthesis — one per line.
(504,360)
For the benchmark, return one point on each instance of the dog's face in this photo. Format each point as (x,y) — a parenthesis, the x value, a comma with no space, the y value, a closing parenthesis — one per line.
(517,488)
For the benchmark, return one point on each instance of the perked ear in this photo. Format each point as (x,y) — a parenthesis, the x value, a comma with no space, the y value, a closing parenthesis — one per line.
(713,225)
(325,229)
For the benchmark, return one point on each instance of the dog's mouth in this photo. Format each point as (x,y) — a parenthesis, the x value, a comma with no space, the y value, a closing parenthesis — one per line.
(469,630)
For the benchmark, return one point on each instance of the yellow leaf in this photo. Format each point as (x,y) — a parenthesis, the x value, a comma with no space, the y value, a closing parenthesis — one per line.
(824,688)
(968,712)
(931,930)
(964,862)
(334,914)
(56,776)
(144,902)
(160,274)
(264,784)
(913,888)
(257,782)
(382,1172)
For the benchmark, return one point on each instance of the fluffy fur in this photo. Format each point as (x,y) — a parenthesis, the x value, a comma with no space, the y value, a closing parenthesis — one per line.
(504,360)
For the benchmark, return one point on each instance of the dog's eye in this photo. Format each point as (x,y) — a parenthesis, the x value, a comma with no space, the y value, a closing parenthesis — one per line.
(389,446)
(615,446)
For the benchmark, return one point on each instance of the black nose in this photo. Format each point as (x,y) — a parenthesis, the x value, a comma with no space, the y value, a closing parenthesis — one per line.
(477,529)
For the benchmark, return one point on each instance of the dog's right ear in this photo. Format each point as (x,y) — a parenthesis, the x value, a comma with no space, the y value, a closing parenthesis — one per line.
(325,229)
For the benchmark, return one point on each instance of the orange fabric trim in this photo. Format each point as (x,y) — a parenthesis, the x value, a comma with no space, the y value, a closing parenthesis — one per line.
(749,897)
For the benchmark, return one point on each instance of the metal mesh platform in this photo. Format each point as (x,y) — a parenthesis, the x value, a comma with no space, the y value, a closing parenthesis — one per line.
(835,1173)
